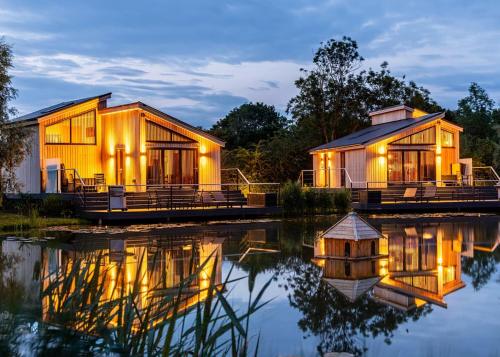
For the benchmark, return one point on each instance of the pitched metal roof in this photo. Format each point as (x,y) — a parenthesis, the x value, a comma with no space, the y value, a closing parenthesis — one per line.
(375,132)
(54,108)
(352,227)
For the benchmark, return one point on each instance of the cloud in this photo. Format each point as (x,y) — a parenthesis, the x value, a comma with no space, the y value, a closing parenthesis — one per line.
(170,83)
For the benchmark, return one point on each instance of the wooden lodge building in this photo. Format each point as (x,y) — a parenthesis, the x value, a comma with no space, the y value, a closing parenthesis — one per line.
(402,145)
(131,144)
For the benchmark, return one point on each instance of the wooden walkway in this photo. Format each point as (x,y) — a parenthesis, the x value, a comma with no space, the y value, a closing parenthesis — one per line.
(142,215)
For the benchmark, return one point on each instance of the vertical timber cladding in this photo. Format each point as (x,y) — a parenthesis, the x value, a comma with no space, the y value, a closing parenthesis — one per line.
(377,153)
(28,173)
(121,130)
(208,152)
(355,165)
(85,158)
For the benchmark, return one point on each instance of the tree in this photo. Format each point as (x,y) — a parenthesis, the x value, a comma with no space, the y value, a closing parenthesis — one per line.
(13,138)
(248,124)
(476,113)
(328,99)
(336,96)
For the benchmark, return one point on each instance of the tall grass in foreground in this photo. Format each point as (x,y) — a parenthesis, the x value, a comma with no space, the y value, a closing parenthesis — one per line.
(89,308)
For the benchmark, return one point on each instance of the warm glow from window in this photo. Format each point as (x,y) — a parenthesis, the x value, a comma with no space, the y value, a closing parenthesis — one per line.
(446,139)
(80,129)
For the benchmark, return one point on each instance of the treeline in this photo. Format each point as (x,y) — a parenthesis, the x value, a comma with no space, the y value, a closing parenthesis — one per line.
(334,99)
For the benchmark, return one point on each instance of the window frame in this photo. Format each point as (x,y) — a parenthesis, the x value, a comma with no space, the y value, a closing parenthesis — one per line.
(71,129)
(151,122)
(394,143)
(452,138)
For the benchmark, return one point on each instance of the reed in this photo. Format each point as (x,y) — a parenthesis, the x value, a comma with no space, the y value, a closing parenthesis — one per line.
(83,312)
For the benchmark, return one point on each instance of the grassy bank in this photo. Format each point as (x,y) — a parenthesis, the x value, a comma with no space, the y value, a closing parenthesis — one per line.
(13,222)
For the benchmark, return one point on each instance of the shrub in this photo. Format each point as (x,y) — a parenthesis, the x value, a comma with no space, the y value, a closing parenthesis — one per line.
(24,204)
(55,205)
(310,200)
(324,201)
(292,198)
(342,200)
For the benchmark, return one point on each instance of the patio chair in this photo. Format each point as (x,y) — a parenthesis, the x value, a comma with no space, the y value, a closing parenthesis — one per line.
(220,199)
(100,182)
(410,194)
(429,193)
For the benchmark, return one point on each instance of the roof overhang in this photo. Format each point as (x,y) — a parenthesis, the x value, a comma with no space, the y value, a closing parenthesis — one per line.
(37,118)
(438,116)
(338,148)
(159,113)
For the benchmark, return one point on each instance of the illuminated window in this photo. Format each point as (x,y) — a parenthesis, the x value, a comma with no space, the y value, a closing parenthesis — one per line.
(59,133)
(158,133)
(424,137)
(77,130)
(446,139)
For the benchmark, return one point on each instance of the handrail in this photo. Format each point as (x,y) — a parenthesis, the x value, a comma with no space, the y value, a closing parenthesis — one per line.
(487,167)
(239,173)
(349,181)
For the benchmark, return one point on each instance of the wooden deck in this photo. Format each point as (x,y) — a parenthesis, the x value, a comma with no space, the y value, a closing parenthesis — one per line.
(179,214)
(433,206)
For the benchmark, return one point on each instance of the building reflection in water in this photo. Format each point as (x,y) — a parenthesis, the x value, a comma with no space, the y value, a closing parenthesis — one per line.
(155,268)
(412,265)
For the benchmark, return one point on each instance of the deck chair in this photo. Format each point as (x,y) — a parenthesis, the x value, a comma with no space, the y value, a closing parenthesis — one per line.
(429,193)
(220,199)
(410,194)
(206,198)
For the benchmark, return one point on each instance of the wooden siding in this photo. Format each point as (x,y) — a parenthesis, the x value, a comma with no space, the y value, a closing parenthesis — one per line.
(28,173)
(355,164)
(86,159)
(209,153)
(122,130)
(370,163)
(336,269)
(359,249)
(376,154)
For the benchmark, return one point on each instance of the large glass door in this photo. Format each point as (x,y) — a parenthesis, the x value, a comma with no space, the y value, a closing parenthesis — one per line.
(395,166)
(410,166)
(172,166)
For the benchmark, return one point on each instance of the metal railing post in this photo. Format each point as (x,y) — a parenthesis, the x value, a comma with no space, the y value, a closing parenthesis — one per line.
(171,197)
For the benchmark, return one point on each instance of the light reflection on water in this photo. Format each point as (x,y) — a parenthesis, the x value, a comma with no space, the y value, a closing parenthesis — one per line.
(429,276)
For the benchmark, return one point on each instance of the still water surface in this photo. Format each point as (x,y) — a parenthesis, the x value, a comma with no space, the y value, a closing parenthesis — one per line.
(433,288)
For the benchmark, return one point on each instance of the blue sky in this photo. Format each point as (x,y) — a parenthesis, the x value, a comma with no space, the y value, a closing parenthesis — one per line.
(198,59)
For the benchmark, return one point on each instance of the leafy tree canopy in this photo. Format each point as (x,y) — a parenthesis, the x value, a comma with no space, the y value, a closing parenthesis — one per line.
(13,139)
(336,95)
(248,124)
(476,113)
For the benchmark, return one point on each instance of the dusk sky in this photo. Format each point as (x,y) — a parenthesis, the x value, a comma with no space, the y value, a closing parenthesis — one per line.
(198,59)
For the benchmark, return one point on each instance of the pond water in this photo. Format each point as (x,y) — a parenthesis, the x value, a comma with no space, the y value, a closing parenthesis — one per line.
(432,286)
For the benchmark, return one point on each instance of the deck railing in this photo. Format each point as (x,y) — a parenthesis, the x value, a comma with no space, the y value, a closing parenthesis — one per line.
(234,176)
(309,178)
(70,181)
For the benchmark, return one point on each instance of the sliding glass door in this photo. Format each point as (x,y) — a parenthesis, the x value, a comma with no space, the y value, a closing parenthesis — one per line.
(172,166)
(410,166)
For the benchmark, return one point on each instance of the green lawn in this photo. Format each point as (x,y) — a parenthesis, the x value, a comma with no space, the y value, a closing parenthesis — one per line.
(12,221)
